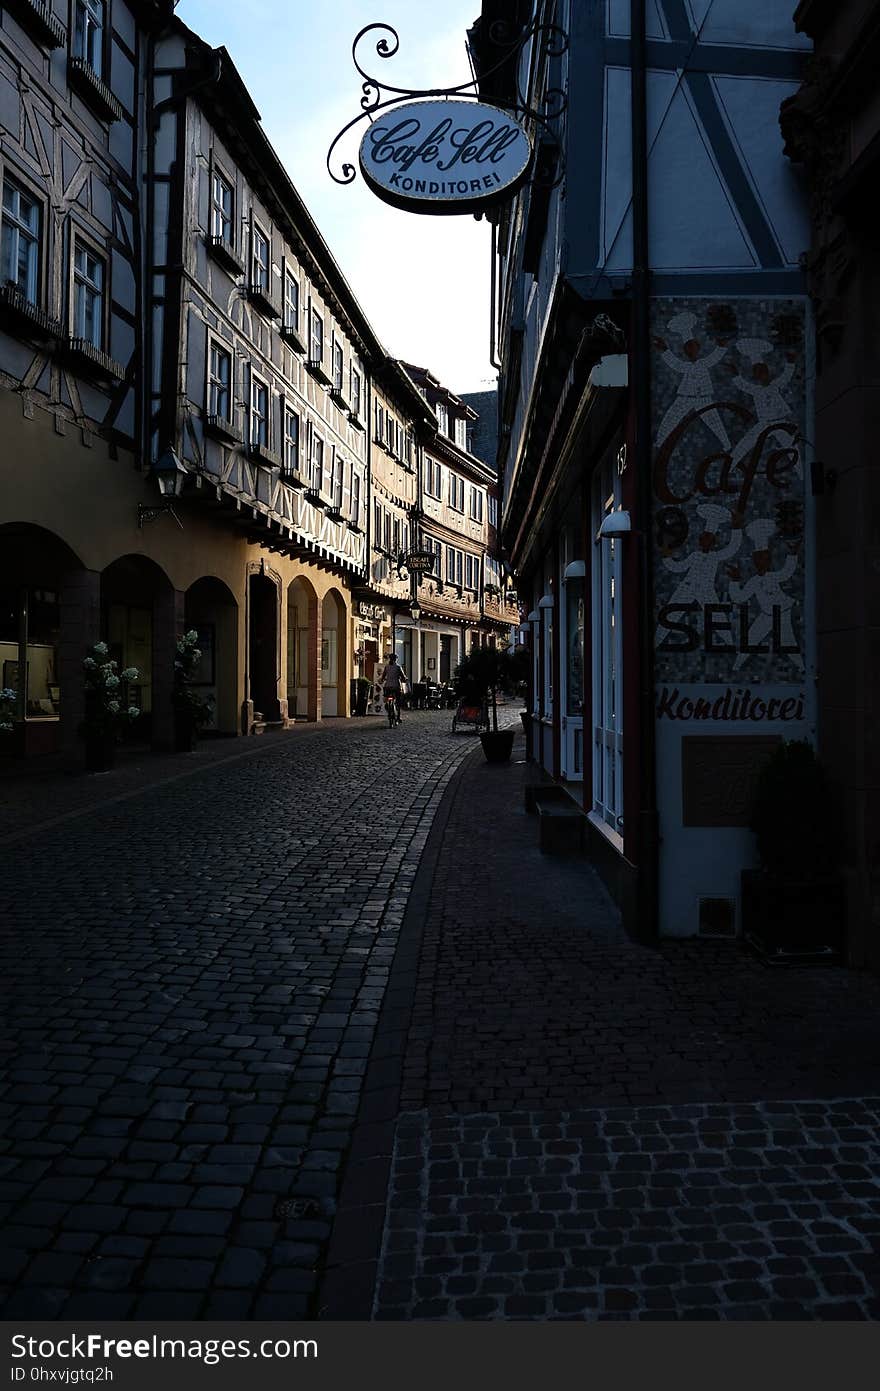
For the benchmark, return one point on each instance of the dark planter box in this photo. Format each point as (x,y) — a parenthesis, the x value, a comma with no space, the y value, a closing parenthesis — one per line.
(185,733)
(793,922)
(497,745)
(100,752)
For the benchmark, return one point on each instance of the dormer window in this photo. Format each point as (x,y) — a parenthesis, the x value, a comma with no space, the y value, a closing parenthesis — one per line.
(461,433)
(442,418)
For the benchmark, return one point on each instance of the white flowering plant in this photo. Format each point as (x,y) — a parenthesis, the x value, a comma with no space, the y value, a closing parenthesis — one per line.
(105,711)
(8,702)
(187,702)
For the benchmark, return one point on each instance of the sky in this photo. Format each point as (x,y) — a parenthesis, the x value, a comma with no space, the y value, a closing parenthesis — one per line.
(423,281)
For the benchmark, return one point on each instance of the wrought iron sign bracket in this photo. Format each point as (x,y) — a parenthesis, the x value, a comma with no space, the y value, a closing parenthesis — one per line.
(550,40)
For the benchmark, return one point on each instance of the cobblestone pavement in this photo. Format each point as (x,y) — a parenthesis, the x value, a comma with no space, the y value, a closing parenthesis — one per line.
(595,1129)
(192,977)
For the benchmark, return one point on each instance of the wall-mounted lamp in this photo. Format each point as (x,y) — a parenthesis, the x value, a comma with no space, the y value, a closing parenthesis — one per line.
(533,617)
(415,610)
(546,602)
(615,524)
(575,570)
(170,475)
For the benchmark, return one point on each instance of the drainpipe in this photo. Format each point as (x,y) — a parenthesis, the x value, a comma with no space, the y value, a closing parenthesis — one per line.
(647,916)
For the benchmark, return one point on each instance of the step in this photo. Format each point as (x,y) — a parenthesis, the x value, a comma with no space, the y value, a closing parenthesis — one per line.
(560,826)
(546,791)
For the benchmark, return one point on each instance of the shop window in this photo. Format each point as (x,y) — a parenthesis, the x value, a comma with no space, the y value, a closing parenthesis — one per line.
(574,696)
(329,657)
(547,652)
(607,655)
(30,625)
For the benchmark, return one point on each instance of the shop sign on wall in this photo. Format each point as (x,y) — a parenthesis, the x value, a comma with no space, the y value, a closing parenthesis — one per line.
(445,156)
(728,495)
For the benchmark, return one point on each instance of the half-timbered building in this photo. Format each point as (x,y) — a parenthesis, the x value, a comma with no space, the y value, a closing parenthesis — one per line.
(73,564)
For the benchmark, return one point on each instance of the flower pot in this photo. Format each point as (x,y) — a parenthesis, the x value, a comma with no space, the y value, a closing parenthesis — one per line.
(497,745)
(793,922)
(100,752)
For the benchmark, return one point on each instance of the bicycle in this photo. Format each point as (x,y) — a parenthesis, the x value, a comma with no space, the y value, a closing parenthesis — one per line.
(391,709)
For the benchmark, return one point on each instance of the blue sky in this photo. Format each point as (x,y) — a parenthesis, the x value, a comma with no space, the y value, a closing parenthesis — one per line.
(423,281)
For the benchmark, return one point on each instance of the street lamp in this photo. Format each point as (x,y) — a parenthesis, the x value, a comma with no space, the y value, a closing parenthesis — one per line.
(415,610)
(170,475)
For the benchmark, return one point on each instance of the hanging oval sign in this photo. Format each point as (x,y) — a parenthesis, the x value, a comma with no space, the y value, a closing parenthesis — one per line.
(445,156)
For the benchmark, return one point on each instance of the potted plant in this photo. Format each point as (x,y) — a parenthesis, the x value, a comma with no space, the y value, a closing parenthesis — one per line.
(793,906)
(8,703)
(105,711)
(478,678)
(191,711)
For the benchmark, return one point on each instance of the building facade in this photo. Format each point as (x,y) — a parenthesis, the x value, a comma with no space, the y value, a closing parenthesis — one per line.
(657,374)
(169,307)
(72,357)
(832,133)
(461,598)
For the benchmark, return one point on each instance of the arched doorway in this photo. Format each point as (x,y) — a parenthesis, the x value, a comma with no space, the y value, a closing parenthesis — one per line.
(139,623)
(39,654)
(334,656)
(263,649)
(211,610)
(302,664)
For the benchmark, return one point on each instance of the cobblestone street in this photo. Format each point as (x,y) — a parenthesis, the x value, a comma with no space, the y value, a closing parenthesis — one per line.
(314,1030)
(192,977)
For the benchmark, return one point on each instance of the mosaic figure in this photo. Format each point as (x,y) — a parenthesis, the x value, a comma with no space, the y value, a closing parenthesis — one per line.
(695,388)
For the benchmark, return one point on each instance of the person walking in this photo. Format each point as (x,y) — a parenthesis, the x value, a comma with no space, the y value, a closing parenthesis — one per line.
(393,685)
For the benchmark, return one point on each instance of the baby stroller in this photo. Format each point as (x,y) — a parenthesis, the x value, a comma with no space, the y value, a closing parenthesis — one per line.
(470,714)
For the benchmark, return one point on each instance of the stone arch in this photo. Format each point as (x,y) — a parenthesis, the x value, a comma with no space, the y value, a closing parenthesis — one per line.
(302,649)
(211,608)
(45,629)
(141,619)
(263,707)
(334,654)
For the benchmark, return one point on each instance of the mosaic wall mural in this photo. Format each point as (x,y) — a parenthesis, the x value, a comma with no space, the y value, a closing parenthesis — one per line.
(728,485)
